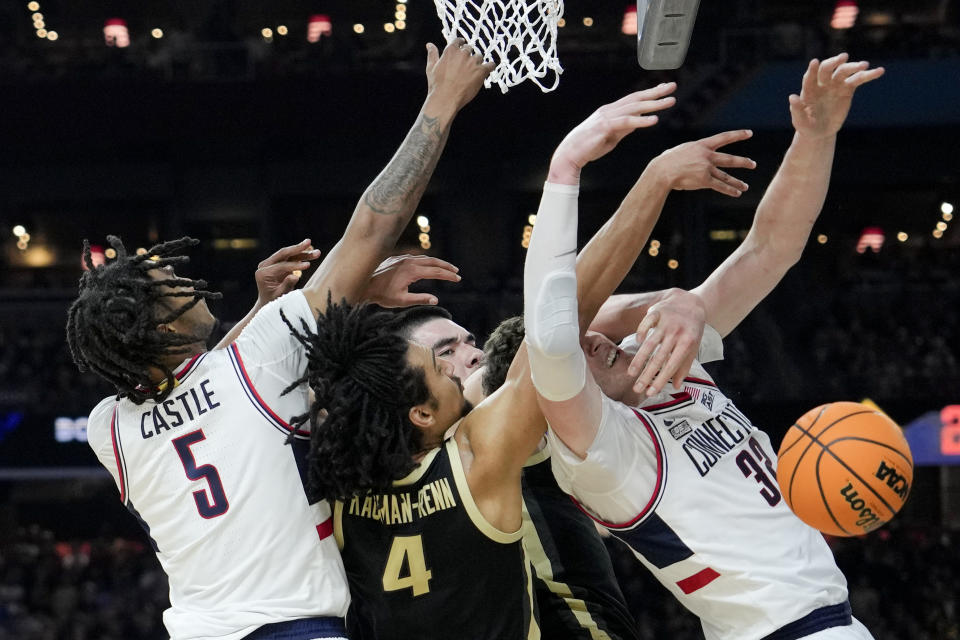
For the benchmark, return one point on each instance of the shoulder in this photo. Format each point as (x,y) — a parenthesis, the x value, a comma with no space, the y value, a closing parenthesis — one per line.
(100,421)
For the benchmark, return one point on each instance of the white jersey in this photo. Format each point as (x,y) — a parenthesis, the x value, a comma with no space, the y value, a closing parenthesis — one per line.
(691,486)
(208,474)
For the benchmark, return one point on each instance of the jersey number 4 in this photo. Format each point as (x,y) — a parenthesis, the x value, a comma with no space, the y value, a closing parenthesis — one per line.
(409,549)
(208,505)
(750,466)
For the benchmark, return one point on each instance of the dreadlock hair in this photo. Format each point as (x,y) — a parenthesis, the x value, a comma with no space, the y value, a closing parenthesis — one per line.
(112,325)
(407,321)
(498,352)
(358,371)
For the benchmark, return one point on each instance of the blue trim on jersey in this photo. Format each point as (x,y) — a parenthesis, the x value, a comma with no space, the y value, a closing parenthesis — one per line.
(304,629)
(118,456)
(836,615)
(655,541)
(143,525)
(255,400)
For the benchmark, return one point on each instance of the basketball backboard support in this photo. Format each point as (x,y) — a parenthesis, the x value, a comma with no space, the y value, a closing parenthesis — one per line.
(664,28)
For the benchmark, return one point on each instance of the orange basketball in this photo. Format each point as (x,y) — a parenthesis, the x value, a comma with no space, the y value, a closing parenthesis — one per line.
(845,468)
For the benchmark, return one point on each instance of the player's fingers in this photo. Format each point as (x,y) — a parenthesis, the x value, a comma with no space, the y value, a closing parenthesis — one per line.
(626,124)
(285,253)
(653,93)
(862,77)
(288,266)
(646,349)
(411,299)
(825,72)
(654,365)
(728,179)
(433,56)
(847,69)
(434,273)
(726,137)
(809,83)
(670,370)
(430,261)
(729,160)
(642,106)
(290,282)
(722,187)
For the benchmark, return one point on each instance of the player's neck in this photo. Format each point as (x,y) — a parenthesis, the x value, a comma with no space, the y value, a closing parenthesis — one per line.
(174,361)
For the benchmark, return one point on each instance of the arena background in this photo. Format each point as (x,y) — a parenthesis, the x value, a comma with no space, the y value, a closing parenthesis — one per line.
(251,142)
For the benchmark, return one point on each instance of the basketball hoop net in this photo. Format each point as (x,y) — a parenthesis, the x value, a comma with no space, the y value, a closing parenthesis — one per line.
(519,36)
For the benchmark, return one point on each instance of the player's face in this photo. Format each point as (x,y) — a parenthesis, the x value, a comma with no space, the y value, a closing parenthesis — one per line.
(197,320)
(452,343)
(608,363)
(447,404)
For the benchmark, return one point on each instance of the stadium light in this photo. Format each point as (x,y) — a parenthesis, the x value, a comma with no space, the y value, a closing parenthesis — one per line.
(844,14)
(629,26)
(318,25)
(115,33)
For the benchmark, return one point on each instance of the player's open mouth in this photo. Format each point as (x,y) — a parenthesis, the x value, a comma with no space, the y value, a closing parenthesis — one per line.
(612,357)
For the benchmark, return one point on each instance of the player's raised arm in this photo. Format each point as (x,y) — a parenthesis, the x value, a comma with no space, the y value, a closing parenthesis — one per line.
(793,200)
(388,203)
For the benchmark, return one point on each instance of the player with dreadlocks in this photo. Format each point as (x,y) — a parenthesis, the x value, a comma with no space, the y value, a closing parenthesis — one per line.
(112,327)
(430,528)
(195,438)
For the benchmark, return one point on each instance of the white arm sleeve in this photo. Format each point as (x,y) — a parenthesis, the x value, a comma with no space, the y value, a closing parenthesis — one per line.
(557,363)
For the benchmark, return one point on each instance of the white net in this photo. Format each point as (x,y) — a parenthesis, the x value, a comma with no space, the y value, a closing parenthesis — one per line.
(519,36)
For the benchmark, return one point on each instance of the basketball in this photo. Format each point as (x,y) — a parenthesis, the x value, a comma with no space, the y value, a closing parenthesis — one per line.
(845,468)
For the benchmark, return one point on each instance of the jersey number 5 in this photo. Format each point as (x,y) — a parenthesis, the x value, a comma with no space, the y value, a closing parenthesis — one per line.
(409,548)
(207,507)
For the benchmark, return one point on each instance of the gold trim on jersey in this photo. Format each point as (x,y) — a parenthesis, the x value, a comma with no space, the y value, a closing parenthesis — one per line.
(470,506)
(418,472)
(537,555)
(533,631)
(338,523)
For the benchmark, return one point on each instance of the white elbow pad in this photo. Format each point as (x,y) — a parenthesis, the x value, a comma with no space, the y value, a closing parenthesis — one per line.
(557,363)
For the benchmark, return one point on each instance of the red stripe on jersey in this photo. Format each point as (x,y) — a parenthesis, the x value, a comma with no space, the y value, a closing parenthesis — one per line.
(325,528)
(656,488)
(249,384)
(116,455)
(699,381)
(683,396)
(698,580)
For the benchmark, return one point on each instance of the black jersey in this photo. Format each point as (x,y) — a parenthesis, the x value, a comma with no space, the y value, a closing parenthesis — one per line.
(423,563)
(577,593)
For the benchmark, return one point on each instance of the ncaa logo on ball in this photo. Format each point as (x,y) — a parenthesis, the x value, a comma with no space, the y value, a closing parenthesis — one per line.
(897,482)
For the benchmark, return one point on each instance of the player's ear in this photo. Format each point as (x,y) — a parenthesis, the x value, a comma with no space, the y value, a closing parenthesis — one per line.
(165,328)
(421,415)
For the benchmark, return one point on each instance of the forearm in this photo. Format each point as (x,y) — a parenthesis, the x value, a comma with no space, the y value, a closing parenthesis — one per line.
(608,257)
(794,199)
(385,208)
(620,315)
(781,227)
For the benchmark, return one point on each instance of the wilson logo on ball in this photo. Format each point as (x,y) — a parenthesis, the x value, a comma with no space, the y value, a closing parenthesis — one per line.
(866,516)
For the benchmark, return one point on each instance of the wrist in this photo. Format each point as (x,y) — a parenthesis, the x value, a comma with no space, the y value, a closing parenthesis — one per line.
(657,174)
(439,105)
(563,171)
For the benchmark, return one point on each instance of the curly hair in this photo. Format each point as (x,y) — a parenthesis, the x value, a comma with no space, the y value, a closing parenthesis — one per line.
(112,325)
(361,437)
(498,352)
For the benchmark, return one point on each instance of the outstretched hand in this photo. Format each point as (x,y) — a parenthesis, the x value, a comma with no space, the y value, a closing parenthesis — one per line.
(826,93)
(457,75)
(699,165)
(280,273)
(669,340)
(390,284)
(605,128)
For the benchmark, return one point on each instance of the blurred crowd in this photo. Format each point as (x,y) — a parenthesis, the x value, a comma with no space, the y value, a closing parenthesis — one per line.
(902,585)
